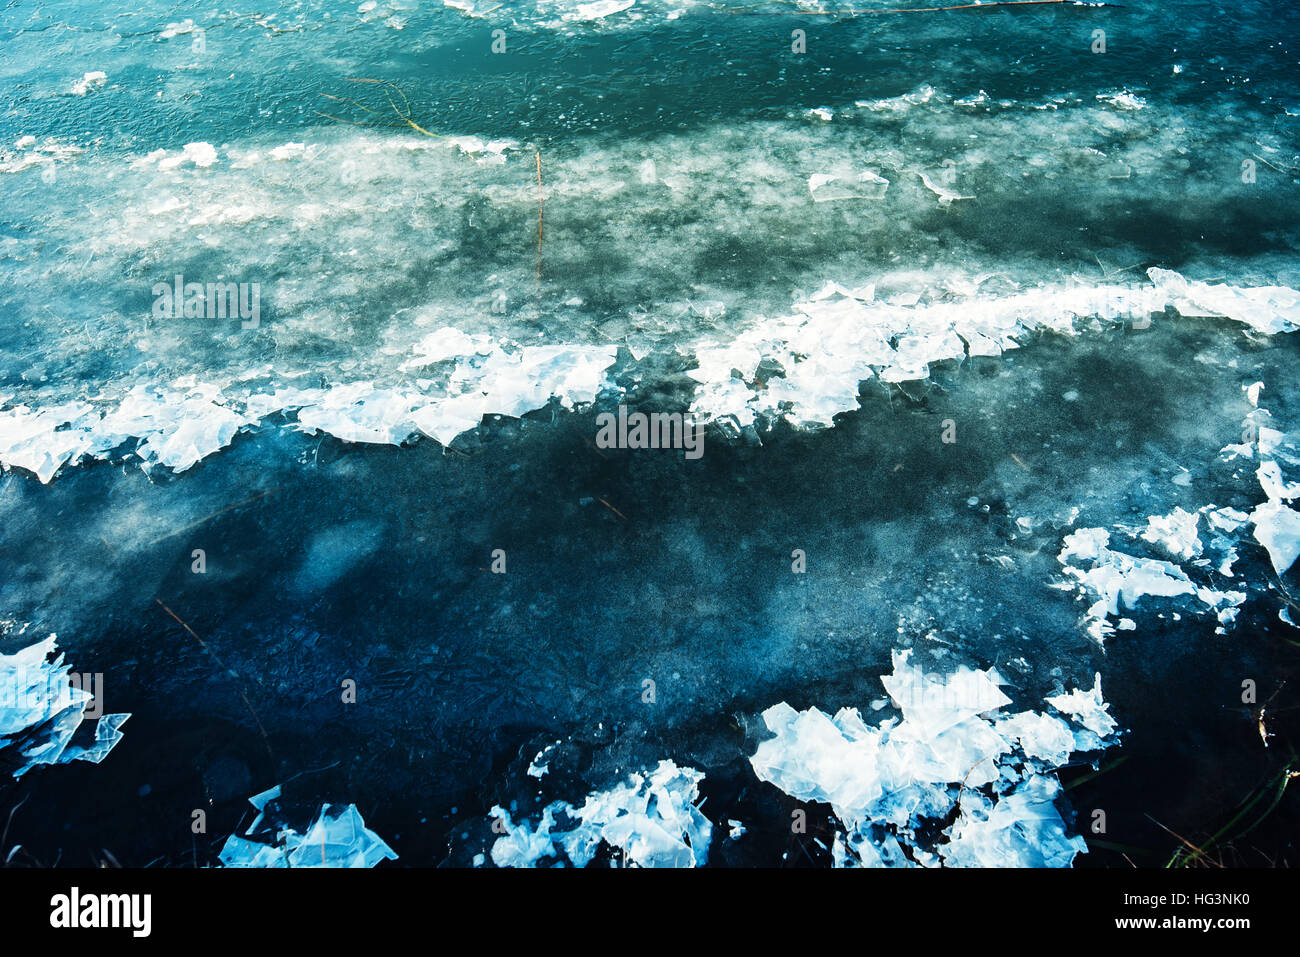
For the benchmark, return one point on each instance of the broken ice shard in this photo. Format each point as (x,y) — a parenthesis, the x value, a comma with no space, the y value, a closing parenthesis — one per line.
(42,713)
(337,837)
(652,818)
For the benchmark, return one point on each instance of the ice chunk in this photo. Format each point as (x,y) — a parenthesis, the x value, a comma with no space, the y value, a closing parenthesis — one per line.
(1022,827)
(1225,519)
(288,151)
(598,9)
(816,758)
(42,711)
(1123,99)
(89,81)
(446,343)
(933,704)
(1175,533)
(523,844)
(1041,736)
(44,441)
(361,412)
(1089,709)
(1277,528)
(953,751)
(1274,485)
(1118,580)
(652,818)
(177,429)
(337,837)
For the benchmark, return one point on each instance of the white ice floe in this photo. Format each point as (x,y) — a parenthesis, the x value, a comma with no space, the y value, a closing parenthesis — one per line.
(837,339)
(288,151)
(175,430)
(598,9)
(182,28)
(337,837)
(953,752)
(202,155)
(40,441)
(1275,486)
(447,343)
(42,710)
(31,154)
(652,818)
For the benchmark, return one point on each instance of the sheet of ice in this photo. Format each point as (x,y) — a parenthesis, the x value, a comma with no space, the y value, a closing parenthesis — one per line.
(41,711)
(652,818)
(1277,528)
(954,750)
(1267,309)
(337,837)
